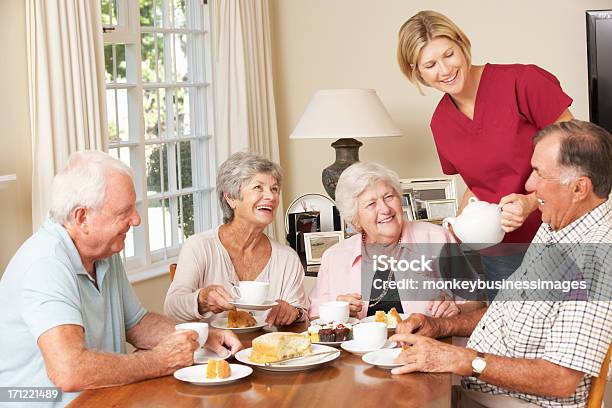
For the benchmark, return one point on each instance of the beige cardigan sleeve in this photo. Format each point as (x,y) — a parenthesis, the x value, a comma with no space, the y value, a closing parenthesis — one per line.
(182,298)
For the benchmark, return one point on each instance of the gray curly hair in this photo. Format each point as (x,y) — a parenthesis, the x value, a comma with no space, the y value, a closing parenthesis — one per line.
(237,170)
(354,180)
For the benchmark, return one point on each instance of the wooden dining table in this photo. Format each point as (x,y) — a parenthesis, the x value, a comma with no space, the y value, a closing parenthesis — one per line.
(344,382)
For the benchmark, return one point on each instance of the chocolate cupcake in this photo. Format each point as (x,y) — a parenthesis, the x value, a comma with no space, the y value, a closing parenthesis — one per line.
(327,335)
(342,333)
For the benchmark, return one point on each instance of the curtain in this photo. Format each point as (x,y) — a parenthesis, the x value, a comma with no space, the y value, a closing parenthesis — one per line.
(244,93)
(66,88)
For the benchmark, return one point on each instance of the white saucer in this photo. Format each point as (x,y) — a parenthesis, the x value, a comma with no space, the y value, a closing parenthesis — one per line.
(197,374)
(305,363)
(202,355)
(352,321)
(351,347)
(221,323)
(268,304)
(368,319)
(383,358)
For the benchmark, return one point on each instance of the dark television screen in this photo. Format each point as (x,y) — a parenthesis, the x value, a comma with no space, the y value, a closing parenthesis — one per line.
(599,48)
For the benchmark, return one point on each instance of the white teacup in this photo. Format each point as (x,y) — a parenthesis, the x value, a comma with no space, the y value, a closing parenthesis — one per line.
(370,335)
(336,311)
(251,292)
(198,327)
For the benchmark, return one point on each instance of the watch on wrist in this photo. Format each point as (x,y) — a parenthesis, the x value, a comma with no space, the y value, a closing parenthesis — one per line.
(300,315)
(478,364)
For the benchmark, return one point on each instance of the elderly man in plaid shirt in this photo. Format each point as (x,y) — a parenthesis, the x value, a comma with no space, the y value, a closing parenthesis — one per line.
(524,352)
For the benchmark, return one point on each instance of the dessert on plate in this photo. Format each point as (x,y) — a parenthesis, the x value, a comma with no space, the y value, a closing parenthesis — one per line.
(330,332)
(271,347)
(391,318)
(239,318)
(217,369)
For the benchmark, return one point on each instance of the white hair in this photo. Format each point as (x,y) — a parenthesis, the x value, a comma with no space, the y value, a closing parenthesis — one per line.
(355,180)
(82,183)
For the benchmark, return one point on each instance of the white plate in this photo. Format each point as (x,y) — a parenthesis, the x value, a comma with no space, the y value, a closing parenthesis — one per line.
(294,365)
(351,347)
(197,374)
(383,358)
(313,202)
(221,323)
(352,321)
(202,355)
(368,319)
(268,304)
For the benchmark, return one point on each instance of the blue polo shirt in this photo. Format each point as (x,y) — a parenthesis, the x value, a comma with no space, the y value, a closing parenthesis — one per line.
(44,286)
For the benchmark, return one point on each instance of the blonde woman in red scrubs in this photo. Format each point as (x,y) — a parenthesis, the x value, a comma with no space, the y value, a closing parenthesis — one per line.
(484,123)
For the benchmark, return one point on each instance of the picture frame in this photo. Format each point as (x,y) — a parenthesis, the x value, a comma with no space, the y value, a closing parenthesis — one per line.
(423,190)
(316,243)
(440,209)
(408,206)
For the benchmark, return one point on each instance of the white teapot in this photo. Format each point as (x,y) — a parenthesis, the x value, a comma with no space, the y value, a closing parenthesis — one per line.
(479,225)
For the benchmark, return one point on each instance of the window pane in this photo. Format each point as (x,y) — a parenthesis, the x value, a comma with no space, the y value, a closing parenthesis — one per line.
(124,155)
(129,243)
(159,225)
(108,63)
(122,115)
(152,54)
(113,5)
(121,65)
(105,11)
(180,14)
(180,53)
(111,114)
(184,158)
(154,113)
(114,153)
(182,112)
(157,168)
(151,13)
(186,224)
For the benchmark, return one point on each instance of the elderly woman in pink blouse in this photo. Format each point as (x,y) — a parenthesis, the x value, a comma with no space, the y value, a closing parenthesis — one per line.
(368,196)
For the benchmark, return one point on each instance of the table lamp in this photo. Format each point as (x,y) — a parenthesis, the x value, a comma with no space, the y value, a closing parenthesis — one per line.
(344,114)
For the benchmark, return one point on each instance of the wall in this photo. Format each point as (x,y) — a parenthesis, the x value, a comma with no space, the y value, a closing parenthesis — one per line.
(15,153)
(351,44)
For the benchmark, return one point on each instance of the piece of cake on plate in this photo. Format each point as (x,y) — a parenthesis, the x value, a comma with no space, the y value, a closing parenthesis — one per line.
(276,346)
(216,369)
(313,332)
(393,318)
(329,332)
(239,319)
(380,316)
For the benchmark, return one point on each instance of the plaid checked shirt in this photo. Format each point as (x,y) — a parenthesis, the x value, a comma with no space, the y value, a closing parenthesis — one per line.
(574,334)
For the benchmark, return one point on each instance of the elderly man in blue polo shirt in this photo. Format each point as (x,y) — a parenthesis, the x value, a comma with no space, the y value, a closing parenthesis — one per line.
(67,306)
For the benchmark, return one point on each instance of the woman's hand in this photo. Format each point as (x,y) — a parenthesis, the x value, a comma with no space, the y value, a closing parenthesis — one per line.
(214,298)
(354,301)
(220,340)
(515,210)
(443,307)
(282,314)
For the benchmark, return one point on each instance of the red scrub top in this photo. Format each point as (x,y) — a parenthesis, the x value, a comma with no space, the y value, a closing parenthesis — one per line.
(493,151)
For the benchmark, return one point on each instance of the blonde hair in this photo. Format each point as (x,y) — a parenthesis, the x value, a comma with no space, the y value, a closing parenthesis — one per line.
(417,31)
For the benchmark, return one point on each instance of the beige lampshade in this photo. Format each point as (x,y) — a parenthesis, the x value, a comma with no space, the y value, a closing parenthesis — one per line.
(345,113)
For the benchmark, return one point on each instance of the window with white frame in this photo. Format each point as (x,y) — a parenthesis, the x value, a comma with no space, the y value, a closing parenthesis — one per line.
(160,119)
